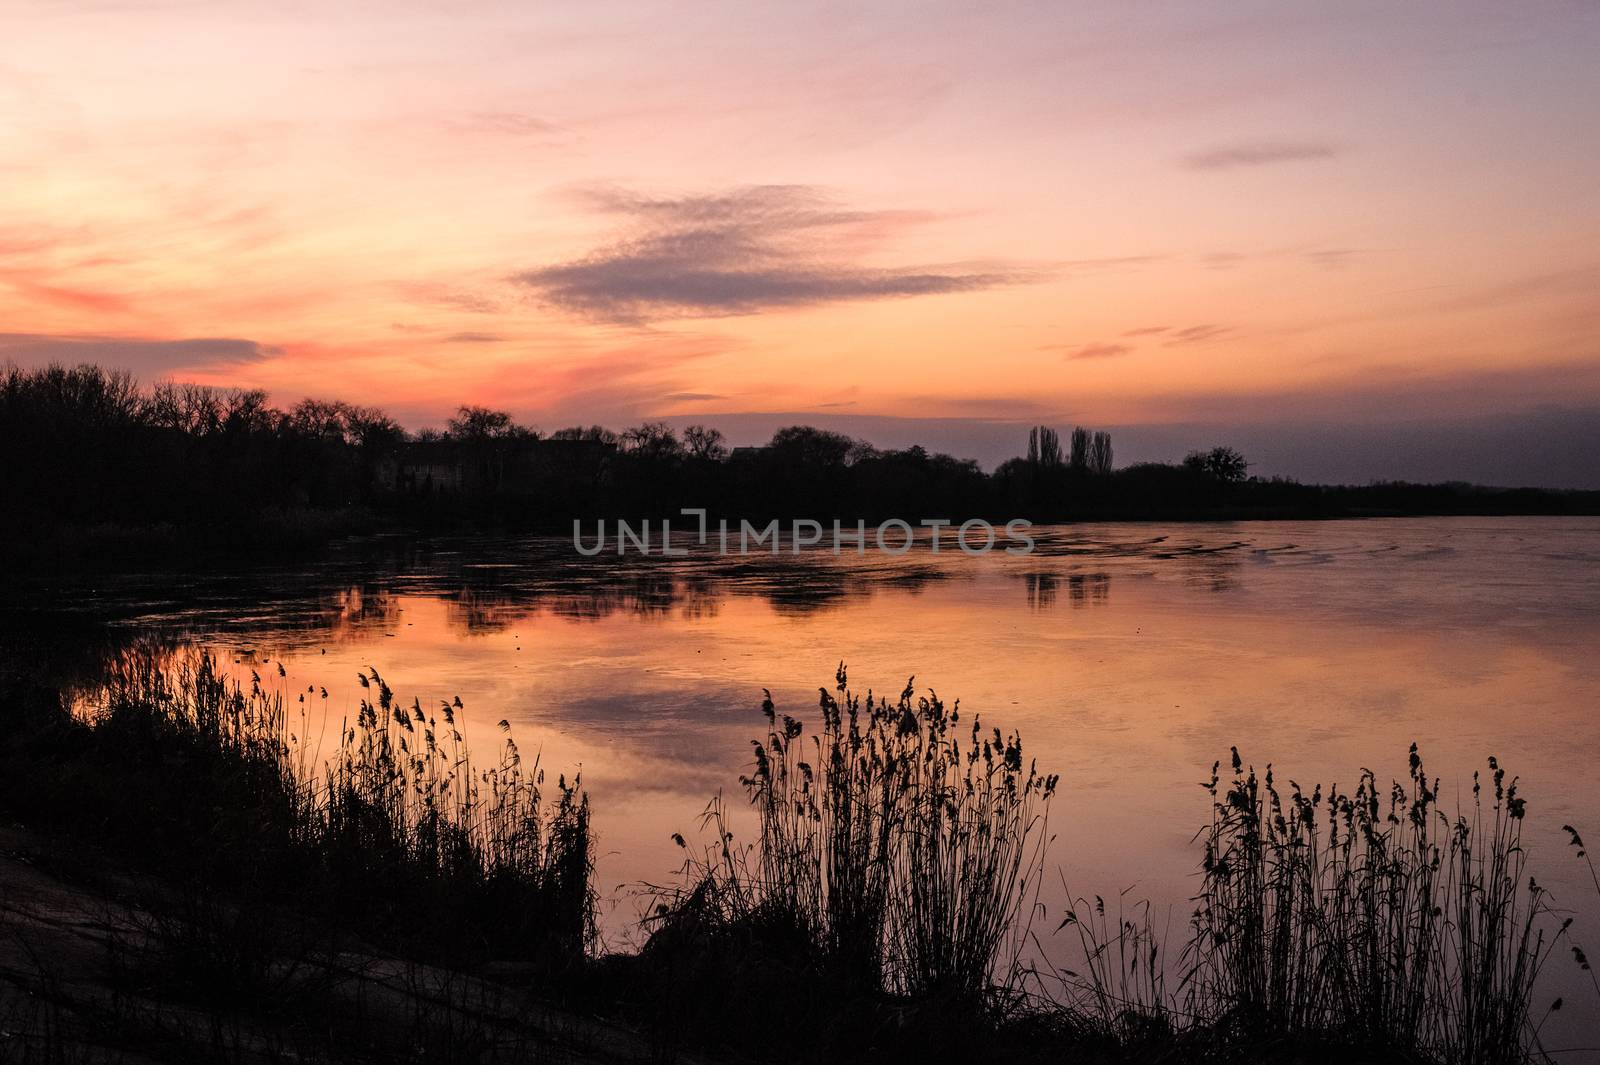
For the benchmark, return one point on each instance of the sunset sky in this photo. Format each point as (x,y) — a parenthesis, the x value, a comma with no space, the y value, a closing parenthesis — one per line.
(1355,239)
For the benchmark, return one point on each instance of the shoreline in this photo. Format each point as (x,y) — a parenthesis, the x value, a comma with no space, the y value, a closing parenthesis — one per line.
(80,550)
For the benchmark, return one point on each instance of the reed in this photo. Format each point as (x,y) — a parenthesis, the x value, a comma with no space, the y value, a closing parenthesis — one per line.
(1368,919)
(897,846)
(1580,957)
(1120,994)
(399,816)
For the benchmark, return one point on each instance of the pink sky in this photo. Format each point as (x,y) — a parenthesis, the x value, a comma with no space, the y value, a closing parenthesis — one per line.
(1230,216)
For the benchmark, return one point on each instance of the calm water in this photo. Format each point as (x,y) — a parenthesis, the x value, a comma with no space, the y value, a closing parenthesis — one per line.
(1130,656)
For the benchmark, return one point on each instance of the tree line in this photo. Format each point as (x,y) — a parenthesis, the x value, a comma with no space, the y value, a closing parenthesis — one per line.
(87,446)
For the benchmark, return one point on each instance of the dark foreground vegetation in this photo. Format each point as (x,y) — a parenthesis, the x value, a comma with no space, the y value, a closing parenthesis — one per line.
(189,876)
(96,465)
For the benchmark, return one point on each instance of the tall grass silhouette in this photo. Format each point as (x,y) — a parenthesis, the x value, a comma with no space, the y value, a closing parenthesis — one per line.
(904,844)
(398,812)
(1373,918)
(896,859)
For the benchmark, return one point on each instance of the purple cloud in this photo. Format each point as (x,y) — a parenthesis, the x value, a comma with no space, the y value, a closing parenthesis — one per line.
(1259,153)
(739,252)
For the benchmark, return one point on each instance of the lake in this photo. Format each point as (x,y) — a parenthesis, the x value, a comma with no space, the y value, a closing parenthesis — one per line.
(1131,657)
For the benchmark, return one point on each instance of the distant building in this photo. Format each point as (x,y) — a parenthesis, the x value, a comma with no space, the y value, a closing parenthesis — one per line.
(430,467)
(514,467)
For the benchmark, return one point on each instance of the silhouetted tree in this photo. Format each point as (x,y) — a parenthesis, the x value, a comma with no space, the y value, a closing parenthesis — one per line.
(1044,446)
(1080,449)
(245,412)
(703,442)
(804,445)
(488,438)
(346,423)
(1100,453)
(596,433)
(652,440)
(478,424)
(86,444)
(1221,464)
(193,410)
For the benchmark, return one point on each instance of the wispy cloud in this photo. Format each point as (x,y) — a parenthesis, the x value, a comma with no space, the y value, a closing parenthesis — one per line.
(1259,153)
(741,252)
(457,299)
(140,355)
(1198,334)
(1330,258)
(1099,351)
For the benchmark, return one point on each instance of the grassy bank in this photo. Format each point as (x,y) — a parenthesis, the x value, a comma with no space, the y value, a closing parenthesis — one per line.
(265,875)
(397,897)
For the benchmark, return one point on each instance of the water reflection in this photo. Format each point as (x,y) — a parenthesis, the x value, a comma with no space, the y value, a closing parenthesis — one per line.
(1083,589)
(1041,590)
(1320,647)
